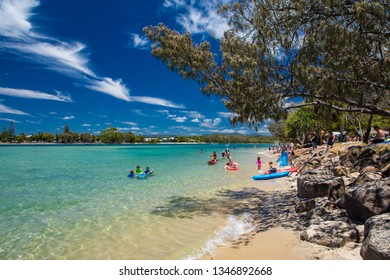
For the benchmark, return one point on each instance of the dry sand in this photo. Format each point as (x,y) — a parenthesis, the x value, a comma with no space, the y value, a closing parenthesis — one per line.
(276,236)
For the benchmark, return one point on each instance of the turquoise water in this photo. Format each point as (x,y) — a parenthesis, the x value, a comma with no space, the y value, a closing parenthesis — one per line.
(76,202)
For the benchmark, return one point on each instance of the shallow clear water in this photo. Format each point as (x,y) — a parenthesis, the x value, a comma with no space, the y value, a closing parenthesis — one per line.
(76,202)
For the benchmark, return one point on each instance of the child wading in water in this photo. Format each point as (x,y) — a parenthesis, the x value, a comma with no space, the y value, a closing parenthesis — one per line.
(258,163)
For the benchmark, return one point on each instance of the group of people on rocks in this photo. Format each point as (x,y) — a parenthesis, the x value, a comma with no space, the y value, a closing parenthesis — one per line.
(315,139)
(330,138)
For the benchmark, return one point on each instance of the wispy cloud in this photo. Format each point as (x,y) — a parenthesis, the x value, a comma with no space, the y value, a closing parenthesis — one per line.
(9,120)
(61,56)
(7,110)
(110,87)
(14,18)
(130,123)
(139,42)
(199,16)
(226,114)
(25,93)
(68,58)
(174,3)
(156,101)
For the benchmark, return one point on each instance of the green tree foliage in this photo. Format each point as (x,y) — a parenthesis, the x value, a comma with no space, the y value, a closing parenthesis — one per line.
(302,121)
(332,53)
(11,131)
(111,135)
(4,135)
(277,129)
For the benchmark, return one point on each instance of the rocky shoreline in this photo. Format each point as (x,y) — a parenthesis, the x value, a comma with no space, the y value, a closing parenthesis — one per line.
(343,196)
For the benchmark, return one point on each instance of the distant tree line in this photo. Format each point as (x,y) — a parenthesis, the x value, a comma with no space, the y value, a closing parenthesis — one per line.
(112,135)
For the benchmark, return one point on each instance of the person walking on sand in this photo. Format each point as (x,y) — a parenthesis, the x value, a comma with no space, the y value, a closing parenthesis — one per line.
(314,140)
(330,140)
(258,163)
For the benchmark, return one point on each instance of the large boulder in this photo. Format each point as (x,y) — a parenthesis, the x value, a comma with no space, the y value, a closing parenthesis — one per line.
(376,244)
(317,171)
(349,154)
(310,186)
(368,196)
(304,205)
(332,234)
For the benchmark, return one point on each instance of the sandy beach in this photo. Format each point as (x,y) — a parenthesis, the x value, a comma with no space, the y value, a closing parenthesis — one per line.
(277,229)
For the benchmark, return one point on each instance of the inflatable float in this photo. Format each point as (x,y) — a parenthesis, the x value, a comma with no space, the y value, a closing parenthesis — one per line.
(231,167)
(271,175)
(142,176)
(211,162)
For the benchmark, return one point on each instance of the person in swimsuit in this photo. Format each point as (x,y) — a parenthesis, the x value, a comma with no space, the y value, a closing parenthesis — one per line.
(258,163)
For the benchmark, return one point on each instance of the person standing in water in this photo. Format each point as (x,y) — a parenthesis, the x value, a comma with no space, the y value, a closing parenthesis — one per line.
(258,163)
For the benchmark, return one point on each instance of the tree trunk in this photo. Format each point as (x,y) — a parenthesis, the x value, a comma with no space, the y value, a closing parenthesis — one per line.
(367,134)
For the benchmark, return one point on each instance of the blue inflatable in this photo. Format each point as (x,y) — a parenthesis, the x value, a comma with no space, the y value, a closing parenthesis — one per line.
(284,159)
(271,175)
(142,176)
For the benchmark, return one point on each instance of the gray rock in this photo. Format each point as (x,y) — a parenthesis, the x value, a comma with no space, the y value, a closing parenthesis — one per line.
(381,222)
(369,197)
(317,171)
(365,153)
(310,186)
(376,244)
(304,205)
(333,234)
(384,159)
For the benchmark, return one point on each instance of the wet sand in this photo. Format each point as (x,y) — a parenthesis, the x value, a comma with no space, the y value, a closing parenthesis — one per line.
(277,229)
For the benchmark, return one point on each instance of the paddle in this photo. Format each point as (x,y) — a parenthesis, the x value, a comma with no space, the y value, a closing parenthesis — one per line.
(304,164)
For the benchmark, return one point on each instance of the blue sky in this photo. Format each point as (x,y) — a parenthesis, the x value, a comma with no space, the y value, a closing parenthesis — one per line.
(88,64)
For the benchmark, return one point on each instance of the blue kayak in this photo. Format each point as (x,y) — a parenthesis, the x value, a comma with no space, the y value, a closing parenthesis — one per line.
(271,175)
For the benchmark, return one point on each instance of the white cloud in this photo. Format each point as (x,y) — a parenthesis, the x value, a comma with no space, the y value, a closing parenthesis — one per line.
(226,114)
(140,113)
(25,93)
(174,3)
(68,117)
(110,87)
(193,114)
(16,36)
(140,42)
(210,123)
(199,16)
(179,119)
(9,120)
(155,101)
(14,17)
(130,123)
(195,120)
(61,56)
(7,110)
(86,125)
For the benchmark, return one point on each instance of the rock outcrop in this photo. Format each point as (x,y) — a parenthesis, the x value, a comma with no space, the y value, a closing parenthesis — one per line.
(338,191)
(376,244)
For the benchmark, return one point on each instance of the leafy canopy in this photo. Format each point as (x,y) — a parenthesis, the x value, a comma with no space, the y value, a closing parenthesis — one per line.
(332,53)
